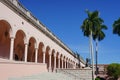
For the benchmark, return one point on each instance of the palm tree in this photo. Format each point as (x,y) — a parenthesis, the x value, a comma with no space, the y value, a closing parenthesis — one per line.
(116,27)
(88,28)
(98,36)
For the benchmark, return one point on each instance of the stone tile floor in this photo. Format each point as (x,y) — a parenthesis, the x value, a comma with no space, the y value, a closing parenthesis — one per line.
(45,76)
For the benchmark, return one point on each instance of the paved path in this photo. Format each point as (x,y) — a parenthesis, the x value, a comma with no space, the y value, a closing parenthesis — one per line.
(45,76)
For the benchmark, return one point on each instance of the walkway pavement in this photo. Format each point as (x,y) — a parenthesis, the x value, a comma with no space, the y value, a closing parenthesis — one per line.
(45,76)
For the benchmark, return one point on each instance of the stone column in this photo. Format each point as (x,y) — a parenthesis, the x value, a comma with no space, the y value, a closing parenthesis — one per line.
(62,62)
(54,62)
(44,51)
(36,55)
(65,63)
(26,50)
(72,64)
(50,62)
(43,57)
(11,47)
(59,61)
(75,65)
(69,64)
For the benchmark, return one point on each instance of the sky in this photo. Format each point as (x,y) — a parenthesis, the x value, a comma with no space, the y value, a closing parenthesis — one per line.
(64,18)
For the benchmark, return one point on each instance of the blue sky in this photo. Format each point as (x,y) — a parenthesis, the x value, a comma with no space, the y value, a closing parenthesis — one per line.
(64,18)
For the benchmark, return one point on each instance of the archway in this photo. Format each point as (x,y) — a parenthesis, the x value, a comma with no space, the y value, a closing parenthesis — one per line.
(40,52)
(67,62)
(61,58)
(47,56)
(4,39)
(64,62)
(19,47)
(52,59)
(57,59)
(31,50)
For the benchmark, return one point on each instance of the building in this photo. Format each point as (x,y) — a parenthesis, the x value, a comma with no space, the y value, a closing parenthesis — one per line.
(27,46)
(102,70)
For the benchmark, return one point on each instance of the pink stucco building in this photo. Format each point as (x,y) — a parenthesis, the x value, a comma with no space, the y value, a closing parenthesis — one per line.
(27,46)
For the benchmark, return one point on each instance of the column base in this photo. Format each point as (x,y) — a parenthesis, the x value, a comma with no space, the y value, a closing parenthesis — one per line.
(54,70)
(49,70)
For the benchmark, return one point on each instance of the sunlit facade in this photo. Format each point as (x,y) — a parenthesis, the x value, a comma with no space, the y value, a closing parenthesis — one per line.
(25,40)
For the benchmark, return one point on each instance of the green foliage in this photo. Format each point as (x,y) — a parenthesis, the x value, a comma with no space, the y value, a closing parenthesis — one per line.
(113,70)
(116,27)
(97,79)
(91,22)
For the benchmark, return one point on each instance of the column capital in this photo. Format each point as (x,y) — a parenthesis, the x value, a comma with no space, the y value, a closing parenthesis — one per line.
(59,56)
(26,43)
(36,48)
(12,37)
(62,58)
(50,52)
(55,54)
(44,49)
(65,59)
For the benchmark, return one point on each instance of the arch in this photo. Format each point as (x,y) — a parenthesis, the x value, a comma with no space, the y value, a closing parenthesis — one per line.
(23,34)
(19,47)
(5,29)
(69,64)
(61,56)
(66,62)
(40,52)
(63,61)
(57,55)
(52,59)
(31,50)
(47,56)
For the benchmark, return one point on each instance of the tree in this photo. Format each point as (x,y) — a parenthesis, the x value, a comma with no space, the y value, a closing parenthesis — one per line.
(88,28)
(98,36)
(113,70)
(116,27)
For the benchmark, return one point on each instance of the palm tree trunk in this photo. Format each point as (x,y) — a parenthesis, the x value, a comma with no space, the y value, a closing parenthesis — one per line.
(90,51)
(96,56)
(92,55)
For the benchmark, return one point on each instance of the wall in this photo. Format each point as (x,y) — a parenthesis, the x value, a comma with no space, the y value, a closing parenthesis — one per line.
(10,69)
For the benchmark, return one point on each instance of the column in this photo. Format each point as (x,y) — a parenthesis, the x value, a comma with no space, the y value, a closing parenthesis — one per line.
(62,62)
(69,64)
(50,62)
(54,62)
(36,55)
(75,65)
(43,57)
(11,47)
(44,51)
(72,64)
(65,63)
(26,50)
(59,61)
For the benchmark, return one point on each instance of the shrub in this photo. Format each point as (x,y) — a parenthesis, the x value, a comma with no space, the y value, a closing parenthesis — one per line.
(97,79)
(113,70)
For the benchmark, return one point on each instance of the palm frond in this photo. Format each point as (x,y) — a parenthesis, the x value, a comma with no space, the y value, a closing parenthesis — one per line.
(116,27)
